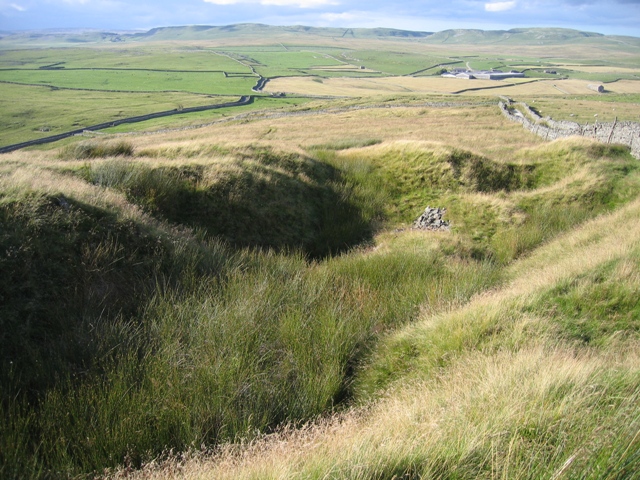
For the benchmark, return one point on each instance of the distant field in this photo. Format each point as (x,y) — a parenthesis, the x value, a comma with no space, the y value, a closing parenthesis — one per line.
(269,64)
(594,69)
(396,62)
(34,112)
(603,68)
(377,86)
(136,81)
(173,58)
(183,67)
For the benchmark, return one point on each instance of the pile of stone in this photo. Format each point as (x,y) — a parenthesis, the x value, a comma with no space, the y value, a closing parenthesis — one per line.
(431,219)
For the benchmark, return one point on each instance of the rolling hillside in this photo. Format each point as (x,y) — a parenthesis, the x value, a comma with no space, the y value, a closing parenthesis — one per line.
(208,287)
(518,36)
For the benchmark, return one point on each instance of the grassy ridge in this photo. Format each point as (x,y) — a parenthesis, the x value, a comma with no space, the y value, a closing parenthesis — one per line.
(129,334)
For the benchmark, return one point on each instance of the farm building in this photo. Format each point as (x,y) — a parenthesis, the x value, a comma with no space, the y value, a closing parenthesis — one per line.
(482,74)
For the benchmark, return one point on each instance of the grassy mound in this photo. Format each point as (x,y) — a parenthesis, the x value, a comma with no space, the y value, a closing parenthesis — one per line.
(498,209)
(248,198)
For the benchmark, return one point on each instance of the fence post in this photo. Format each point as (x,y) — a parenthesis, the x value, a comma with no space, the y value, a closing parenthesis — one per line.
(612,129)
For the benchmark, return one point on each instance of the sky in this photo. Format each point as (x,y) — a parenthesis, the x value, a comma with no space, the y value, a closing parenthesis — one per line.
(619,17)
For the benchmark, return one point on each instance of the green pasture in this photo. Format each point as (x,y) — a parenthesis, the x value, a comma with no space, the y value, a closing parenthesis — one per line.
(177,58)
(94,81)
(28,112)
(394,62)
(200,118)
(286,63)
(589,108)
(136,81)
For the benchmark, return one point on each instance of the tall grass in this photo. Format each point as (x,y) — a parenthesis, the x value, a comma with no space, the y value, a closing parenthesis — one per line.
(499,388)
(250,198)
(276,343)
(88,150)
(131,335)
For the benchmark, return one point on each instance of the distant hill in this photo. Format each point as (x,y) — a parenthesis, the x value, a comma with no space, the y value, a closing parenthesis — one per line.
(204,32)
(527,36)
(516,36)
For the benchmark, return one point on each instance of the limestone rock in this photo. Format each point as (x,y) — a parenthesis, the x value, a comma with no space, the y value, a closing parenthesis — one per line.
(432,219)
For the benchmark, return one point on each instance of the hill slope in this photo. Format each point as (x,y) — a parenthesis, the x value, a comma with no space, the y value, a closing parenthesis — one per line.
(517,36)
(196,287)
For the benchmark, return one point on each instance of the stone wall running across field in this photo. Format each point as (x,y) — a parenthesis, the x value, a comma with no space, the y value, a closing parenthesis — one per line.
(244,100)
(624,133)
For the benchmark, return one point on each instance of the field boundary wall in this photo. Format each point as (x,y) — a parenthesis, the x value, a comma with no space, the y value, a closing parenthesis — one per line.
(244,100)
(623,133)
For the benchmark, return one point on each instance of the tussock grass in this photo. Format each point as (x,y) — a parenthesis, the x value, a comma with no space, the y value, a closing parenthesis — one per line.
(87,150)
(135,328)
(347,144)
(498,388)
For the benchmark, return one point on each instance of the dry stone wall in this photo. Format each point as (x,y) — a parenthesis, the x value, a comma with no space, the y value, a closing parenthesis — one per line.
(624,133)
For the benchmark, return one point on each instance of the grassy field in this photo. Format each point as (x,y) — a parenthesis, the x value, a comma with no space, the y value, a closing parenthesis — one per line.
(240,294)
(583,108)
(177,58)
(134,81)
(376,86)
(39,111)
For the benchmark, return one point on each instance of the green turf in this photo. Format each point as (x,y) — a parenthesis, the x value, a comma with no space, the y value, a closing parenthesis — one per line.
(177,58)
(136,81)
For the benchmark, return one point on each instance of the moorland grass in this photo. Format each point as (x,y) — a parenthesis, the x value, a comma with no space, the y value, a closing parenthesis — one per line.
(134,330)
(250,198)
(134,372)
(181,291)
(499,210)
(90,150)
(501,387)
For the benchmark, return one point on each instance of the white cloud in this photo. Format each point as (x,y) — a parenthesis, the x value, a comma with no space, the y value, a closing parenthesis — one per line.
(17,7)
(337,17)
(278,3)
(499,6)
(298,3)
